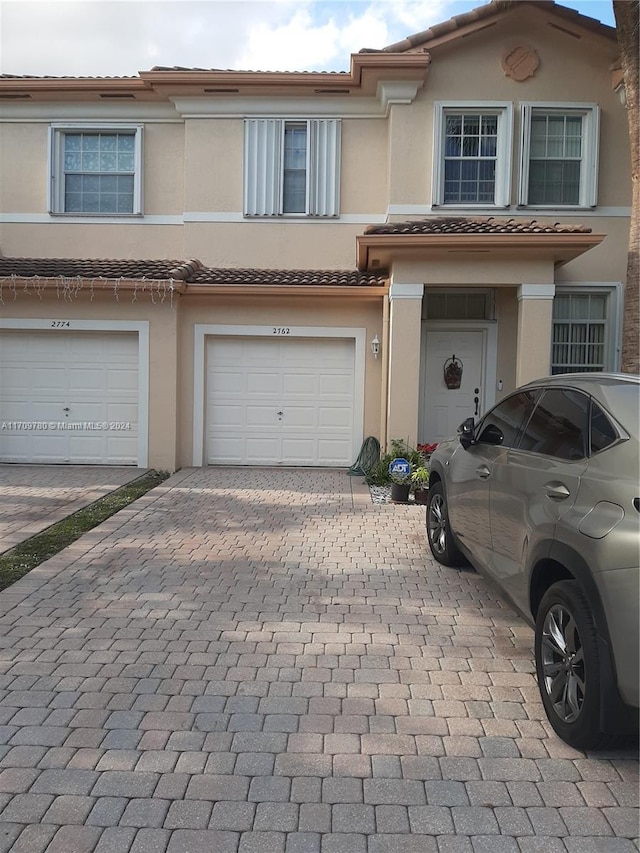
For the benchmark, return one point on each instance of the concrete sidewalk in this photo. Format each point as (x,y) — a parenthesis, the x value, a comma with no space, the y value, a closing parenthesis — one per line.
(262,661)
(33,497)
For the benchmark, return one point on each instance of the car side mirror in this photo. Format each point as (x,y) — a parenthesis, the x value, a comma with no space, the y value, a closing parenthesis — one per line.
(491,434)
(465,431)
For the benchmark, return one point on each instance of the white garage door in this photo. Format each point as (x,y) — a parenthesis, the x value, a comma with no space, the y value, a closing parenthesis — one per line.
(280,401)
(69,397)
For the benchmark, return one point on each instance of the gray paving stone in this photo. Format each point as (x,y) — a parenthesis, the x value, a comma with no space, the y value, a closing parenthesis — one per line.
(150,841)
(392,819)
(107,811)
(33,839)
(78,782)
(547,821)
(68,809)
(141,813)
(401,844)
(26,808)
(446,793)
(186,814)
(353,817)
(115,839)
(394,792)
(345,842)
(79,839)
(430,820)
(494,844)
(474,820)
(234,816)
(214,787)
(259,842)
(315,817)
(269,789)
(276,816)
(201,841)
(116,783)
(303,842)
(585,821)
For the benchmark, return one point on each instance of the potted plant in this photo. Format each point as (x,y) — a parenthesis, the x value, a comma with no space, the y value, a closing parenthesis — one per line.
(400,487)
(419,481)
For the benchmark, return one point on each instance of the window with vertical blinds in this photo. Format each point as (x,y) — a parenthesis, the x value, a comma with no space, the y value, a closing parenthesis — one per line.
(291,168)
(579,333)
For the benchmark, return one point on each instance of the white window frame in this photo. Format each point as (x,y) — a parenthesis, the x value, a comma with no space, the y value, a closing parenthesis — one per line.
(612,322)
(590,114)
(504,111)
(57,133)
(264,167)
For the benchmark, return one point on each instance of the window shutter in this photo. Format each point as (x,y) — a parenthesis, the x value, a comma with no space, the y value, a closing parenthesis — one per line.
(262,166)
(324,172)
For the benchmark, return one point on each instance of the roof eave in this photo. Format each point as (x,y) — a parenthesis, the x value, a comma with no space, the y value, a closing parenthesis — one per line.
(561,248)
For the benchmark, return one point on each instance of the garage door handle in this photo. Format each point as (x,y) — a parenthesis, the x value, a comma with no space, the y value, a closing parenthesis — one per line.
(483,472)
(557,492)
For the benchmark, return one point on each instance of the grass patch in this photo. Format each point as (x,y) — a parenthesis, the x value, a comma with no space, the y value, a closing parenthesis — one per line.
(17,562)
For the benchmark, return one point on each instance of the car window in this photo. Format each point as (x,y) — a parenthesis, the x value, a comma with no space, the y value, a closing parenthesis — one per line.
(603,432)
(559,425)
(503,424)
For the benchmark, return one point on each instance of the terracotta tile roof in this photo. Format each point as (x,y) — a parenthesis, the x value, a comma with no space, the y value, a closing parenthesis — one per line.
(97,268)
(191,272)
(481,13)
(305,278)
(466,225)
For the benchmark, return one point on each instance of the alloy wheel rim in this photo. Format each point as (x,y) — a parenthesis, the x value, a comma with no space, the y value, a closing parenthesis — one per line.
(437,524)
(563,667)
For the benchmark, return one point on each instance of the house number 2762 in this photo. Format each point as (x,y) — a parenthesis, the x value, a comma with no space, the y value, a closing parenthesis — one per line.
(281,330)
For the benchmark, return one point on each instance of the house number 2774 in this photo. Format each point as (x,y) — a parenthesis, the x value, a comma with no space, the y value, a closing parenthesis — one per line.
(281,330)
(60,324)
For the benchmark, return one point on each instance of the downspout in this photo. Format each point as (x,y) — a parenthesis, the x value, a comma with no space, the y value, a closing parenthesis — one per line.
(384,404)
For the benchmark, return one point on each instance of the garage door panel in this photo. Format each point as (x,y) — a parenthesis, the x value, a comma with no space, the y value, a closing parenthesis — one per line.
(69,378)
(123,381)
(262,450)
(310,380)
(334,417)
(333,385)
(296,417)
(262,383)
(260,416)
(335,451)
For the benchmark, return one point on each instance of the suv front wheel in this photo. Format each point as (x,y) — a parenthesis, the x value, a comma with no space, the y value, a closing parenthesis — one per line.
(568,665)
(441,541)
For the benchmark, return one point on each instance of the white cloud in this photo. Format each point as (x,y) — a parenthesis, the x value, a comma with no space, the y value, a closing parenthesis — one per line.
(120,37)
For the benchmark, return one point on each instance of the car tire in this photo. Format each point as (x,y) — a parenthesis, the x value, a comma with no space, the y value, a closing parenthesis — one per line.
(568,666)
(439,534)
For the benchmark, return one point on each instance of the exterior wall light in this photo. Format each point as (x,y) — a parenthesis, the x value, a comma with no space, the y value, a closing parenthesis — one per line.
(375,346)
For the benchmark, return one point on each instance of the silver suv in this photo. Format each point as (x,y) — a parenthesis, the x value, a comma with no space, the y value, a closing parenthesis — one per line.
(543,495)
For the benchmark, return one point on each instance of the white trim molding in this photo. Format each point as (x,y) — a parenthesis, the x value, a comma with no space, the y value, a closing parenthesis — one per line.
(405,291)
(201,331)
(141,328)
(536,291)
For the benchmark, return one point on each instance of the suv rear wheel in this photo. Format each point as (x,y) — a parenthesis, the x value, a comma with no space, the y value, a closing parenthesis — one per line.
(568,665)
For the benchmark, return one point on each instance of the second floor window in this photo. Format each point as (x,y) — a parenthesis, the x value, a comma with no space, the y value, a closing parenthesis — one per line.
(559,155)
(96,171)
(291,168)
(472,156)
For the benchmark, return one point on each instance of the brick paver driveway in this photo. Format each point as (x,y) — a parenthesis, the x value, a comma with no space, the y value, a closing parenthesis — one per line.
(262,661)
(33,497)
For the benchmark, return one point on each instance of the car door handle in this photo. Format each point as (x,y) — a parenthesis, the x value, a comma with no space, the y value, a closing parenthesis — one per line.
(483,472)
(557,492)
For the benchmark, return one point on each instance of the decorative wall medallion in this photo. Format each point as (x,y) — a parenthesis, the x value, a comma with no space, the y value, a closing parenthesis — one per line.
(520,62)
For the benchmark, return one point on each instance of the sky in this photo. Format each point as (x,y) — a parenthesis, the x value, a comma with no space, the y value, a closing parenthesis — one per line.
(123,37)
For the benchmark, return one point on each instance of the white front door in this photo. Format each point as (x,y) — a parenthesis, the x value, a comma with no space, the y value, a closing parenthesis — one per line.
(443,409)
(280,401)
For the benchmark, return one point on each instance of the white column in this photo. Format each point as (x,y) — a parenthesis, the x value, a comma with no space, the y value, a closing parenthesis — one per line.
(404,361)
(535,318)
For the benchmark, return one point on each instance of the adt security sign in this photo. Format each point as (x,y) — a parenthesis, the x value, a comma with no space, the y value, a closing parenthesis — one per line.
(399,467)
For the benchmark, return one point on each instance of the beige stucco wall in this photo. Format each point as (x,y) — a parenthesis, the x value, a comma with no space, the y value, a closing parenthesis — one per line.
(23,168)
